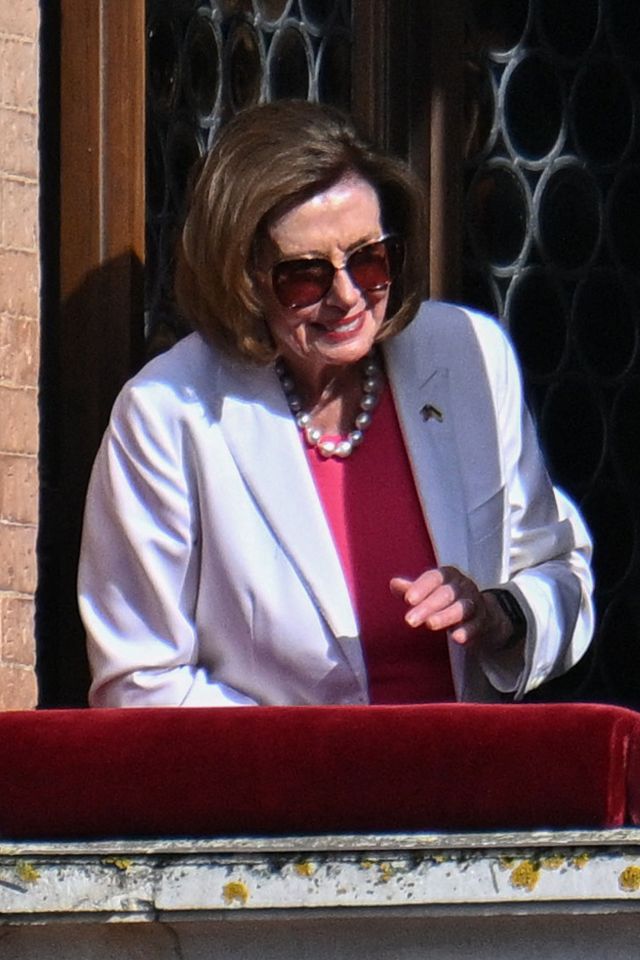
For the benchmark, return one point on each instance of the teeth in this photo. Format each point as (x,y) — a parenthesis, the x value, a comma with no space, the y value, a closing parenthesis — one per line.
(347,327)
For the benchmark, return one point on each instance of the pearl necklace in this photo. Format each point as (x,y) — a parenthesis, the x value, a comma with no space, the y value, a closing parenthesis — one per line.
(371,389)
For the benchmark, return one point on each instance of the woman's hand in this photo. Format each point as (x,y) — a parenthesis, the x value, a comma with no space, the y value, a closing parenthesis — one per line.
(446,599)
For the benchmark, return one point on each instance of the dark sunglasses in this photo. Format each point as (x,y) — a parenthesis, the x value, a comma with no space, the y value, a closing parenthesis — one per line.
(303,282)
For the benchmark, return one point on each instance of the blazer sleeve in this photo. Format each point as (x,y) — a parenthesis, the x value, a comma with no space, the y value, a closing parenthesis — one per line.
(547,546)
(139,563)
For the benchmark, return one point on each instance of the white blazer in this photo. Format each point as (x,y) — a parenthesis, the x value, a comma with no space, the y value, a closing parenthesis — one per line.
(208,573)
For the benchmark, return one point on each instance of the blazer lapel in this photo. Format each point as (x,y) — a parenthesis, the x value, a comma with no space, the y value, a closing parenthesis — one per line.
(264,442)
(422,394)
(441,400)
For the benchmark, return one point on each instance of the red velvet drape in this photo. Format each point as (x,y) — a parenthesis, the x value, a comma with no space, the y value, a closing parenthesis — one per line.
(286,770)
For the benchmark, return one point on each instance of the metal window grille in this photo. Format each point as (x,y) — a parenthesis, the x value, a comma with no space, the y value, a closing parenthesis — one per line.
(552,245)
(205,62)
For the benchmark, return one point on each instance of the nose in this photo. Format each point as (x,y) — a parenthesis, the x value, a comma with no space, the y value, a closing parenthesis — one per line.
(343,292)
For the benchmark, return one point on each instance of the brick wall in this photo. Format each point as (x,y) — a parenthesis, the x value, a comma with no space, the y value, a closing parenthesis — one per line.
(19,348)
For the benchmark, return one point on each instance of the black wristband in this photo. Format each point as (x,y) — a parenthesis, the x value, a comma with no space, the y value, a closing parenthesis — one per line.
(513,610)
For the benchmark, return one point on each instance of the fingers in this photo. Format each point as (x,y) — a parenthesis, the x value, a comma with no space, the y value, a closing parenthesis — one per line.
(399,586)
(446,599)
(442,599)
(470,631)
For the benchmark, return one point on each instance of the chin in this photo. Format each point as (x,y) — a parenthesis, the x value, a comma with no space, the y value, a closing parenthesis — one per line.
(347,355)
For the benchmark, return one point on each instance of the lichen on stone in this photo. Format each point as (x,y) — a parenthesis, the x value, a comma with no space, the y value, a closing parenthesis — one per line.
(525,876)
(236,891)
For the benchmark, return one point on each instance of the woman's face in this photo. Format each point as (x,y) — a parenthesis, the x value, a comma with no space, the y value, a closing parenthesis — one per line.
(340,328)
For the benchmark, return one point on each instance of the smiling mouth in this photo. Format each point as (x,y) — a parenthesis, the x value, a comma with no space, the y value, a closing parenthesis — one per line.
(342,330)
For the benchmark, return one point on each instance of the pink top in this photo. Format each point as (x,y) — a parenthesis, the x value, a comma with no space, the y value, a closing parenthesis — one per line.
(379,530)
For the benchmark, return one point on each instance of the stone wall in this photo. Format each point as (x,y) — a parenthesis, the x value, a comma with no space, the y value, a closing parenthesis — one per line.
(19,349)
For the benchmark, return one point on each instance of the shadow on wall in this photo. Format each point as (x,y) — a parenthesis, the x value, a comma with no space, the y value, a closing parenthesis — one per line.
(91,346)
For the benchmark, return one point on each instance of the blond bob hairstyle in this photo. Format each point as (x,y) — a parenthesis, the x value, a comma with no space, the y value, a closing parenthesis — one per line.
(264,161)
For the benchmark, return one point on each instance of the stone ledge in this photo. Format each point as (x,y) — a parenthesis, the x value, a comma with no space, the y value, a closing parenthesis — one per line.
(173,880)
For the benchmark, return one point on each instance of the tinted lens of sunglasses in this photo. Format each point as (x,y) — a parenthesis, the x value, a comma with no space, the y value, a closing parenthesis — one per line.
(301,283)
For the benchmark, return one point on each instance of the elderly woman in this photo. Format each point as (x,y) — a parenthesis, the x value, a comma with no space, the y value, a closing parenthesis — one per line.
(329,493)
